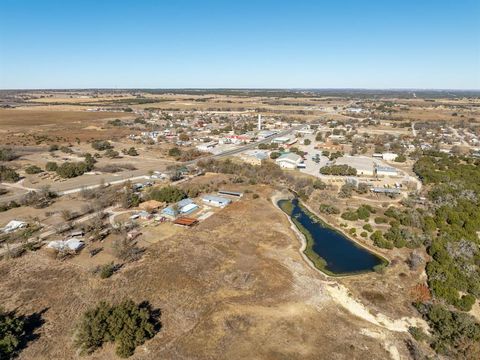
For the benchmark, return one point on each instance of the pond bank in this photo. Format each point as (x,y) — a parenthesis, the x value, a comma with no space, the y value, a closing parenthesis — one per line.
(328,249)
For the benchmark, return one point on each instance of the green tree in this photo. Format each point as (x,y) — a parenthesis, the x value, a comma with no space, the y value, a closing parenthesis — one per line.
(7,154)
(127,324)
(274,155)
(169,194)
(51,166)
(101,145)
(12,329)
(33,169)
(112,154)
(8,174)
(174,152)
(132,151)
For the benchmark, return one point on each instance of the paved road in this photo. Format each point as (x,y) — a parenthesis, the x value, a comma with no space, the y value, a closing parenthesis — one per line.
(93,181)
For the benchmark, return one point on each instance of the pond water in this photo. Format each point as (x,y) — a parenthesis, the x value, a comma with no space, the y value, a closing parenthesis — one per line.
(340,254)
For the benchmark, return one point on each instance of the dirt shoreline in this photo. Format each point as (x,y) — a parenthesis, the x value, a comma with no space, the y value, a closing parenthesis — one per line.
(340,293)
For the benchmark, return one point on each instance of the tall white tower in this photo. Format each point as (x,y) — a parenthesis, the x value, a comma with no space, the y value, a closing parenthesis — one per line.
(259,122)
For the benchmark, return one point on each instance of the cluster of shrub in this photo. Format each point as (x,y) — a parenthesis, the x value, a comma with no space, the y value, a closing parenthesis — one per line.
(184,155)
(362,213)
(131,151)
(7,154)
(8,206)
(168,194)
(266,173)
(101,145)
(452,226)
(72,169)
(332,156)
(8,174)
(12,334)
(126,324)
(339,170)
(448,226)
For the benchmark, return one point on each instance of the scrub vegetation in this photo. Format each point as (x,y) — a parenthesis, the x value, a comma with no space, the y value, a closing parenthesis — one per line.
(127,324)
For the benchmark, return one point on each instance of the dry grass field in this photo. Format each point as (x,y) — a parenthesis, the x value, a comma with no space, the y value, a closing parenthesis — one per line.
(30,125)
(230,288)
(32,117)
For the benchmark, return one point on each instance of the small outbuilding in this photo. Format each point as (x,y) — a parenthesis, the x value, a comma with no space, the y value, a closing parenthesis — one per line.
(230,193)
(386,171)
(217,201)
(185,221)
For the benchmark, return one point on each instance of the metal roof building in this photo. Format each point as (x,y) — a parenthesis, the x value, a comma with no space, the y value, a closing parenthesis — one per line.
(216,200)
(184,206)
(385,170)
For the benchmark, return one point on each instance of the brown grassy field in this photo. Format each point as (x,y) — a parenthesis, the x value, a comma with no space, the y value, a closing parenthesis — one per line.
(230,288)
(32,117)
(35,127)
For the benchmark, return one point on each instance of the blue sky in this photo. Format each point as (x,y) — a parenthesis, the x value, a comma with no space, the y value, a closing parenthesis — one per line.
(242,44)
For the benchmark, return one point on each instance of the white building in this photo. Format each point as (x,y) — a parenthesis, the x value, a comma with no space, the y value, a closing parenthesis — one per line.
(305,131)
(289,161)
(265,134)
(207,146)
(386,171)
(389,156)
(217,201)
(364,165)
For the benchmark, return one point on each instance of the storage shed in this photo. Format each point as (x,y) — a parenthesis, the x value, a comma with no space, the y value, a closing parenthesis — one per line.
(216,200)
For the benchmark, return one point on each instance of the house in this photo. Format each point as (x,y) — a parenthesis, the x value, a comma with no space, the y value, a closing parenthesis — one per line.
(14,225)
(385,171)
(289,161)
(216,200)
(185,206)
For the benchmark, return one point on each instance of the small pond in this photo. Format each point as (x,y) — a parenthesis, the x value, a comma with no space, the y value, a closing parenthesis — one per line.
(330,250)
